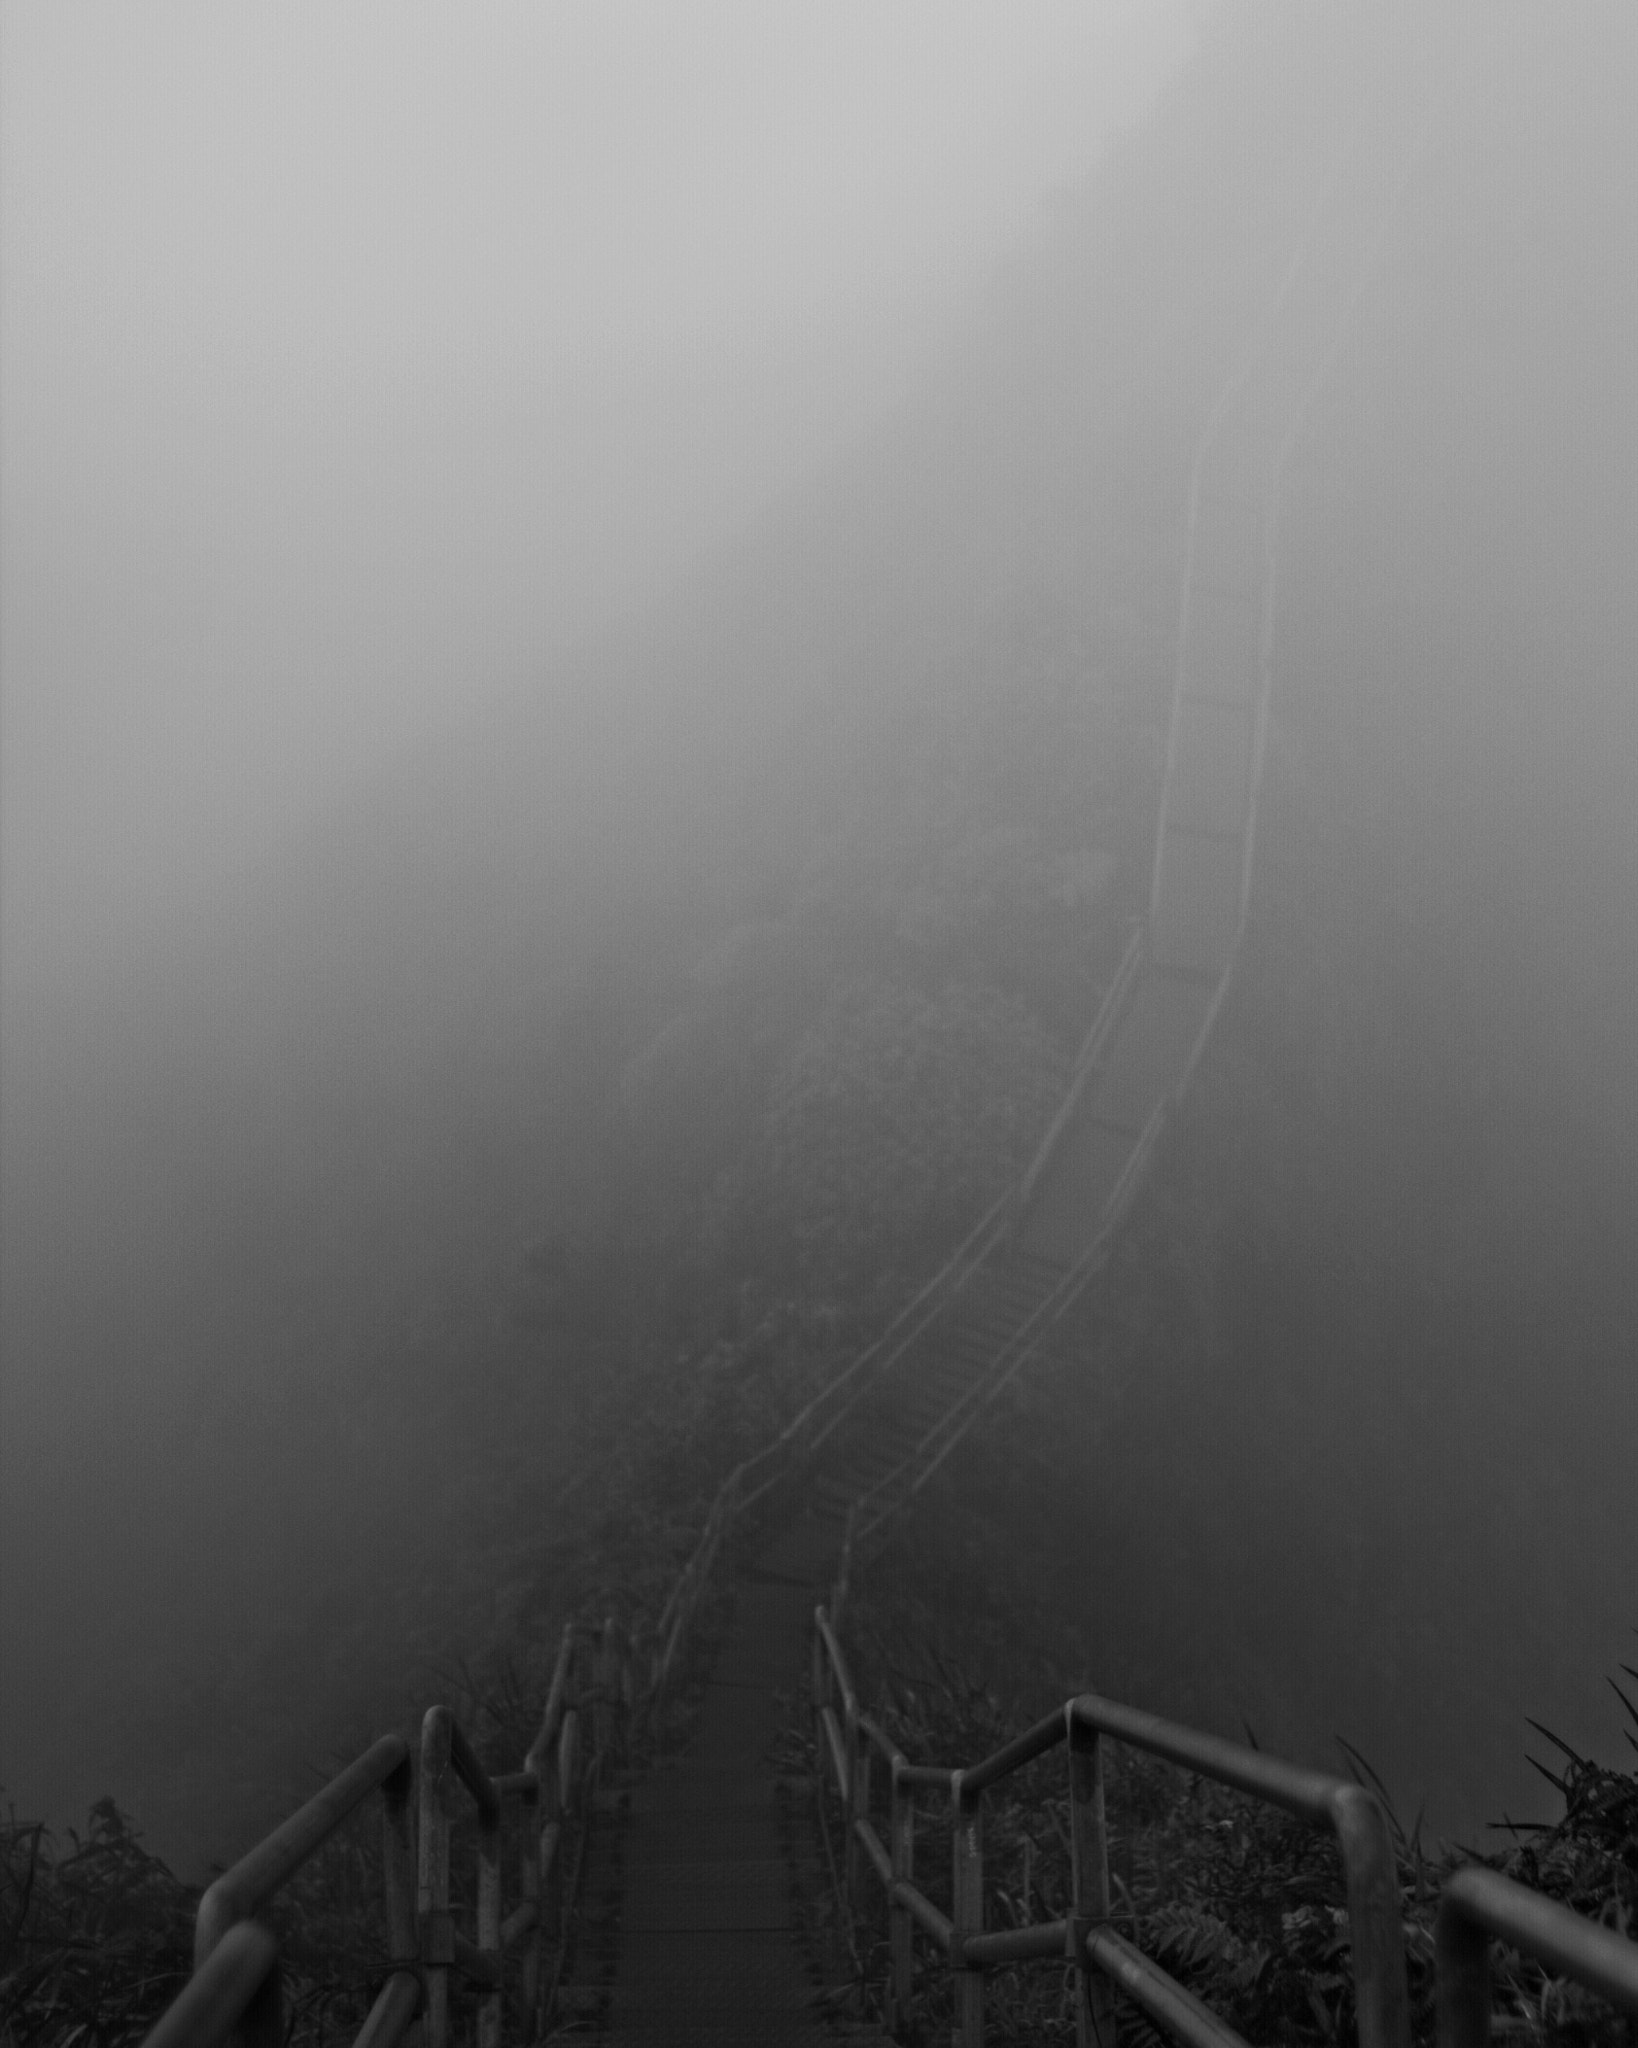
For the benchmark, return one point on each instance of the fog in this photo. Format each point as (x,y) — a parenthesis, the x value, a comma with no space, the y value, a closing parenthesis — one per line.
(357,365)
(494,506)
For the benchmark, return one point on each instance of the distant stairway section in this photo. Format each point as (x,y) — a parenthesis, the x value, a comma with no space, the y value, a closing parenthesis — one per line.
(1005,1298)
(1143,1049)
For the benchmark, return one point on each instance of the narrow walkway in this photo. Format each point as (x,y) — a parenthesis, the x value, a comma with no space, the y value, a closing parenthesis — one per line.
(708,1947)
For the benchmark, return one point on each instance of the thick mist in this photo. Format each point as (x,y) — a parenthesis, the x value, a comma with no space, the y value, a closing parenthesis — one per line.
(561,570)
(378,389)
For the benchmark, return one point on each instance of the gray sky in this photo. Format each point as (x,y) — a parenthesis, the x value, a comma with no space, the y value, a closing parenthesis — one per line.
(353,355)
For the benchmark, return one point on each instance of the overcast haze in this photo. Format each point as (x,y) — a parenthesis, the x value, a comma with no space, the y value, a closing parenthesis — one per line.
(355,356)
(589,602)
(356,362)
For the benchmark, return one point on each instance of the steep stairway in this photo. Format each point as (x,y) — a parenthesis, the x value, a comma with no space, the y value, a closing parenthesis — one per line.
(708,1946)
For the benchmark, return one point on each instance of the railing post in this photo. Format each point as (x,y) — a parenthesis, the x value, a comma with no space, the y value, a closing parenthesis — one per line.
(967,1902)
(489,1925)
(1462,1955)
(437,1926)
(548,1852)
(1381,1998)
(1089,1846)
(529,1891)
(858,1808)
(398,1864)
(900,1930)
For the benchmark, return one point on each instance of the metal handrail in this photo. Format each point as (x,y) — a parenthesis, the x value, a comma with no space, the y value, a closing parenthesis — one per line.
(799,1438)
(221,1990)
(1086,1060)
(445,1750)
(235,1983)
(1477,1904)
(1100,1957)
(235,1987)
(897,1488)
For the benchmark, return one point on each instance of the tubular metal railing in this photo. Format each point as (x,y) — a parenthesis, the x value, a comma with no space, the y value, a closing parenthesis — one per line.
(1479,1905)
(898,1488)
(1476,1906)
(852,1742)
(754,1478)
(235,1990)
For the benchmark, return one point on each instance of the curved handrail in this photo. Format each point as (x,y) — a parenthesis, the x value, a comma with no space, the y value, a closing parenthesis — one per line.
(235,1988)
(221,1990)
(244,1889)
(896,1489)
(1080,1725)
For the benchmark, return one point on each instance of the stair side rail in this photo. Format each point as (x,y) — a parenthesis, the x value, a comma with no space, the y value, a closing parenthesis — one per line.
(235,1990)
(899,1487)
(1103,1960)
(896,1490)
(447,1753)
(1478,1906)
(1088,1059)
(756,1476)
